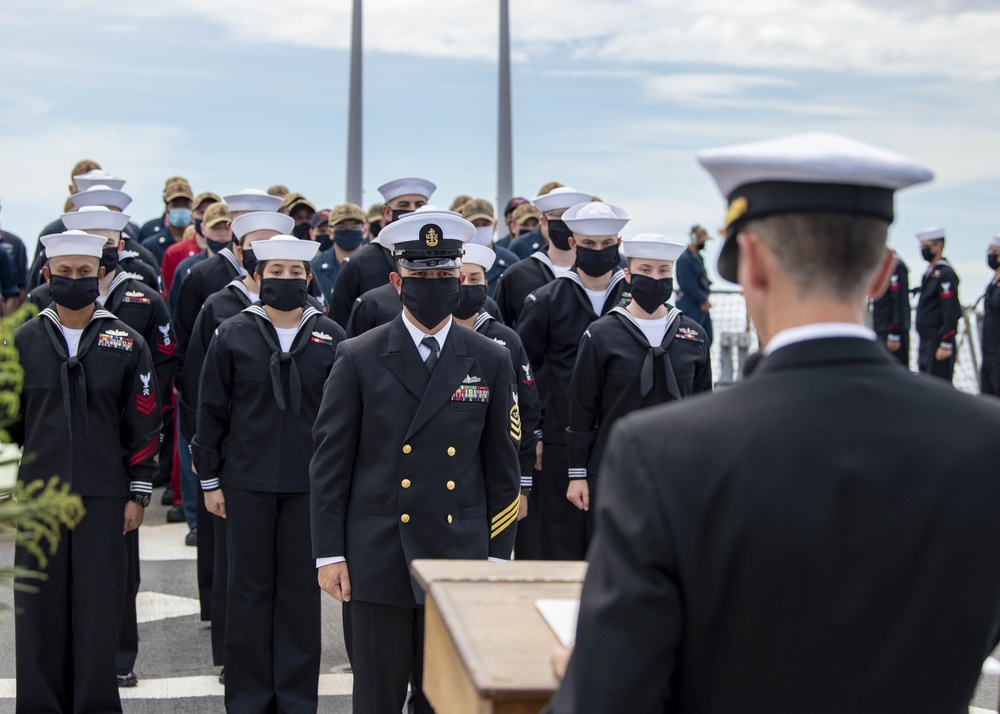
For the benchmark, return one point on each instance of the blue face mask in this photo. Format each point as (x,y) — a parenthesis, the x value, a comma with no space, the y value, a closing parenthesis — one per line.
(348,240)
(180,217)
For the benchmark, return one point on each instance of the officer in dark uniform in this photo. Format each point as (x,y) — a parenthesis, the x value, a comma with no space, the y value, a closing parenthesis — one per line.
(371,267)
(775,572)
(415,457)
(473,313)
(891,314)
(235,297)
(551,326)
(347,224)
(989,382)
(260,392)
(382,305)
(634,357)
(547,263)
(938,309)
(694,286)
(90,414)
(479,212)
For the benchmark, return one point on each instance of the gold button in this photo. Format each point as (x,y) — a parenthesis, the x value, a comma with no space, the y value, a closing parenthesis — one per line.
(406,483)
(451,451)
(407,448)
(405,518)
(450,485)
(449,519)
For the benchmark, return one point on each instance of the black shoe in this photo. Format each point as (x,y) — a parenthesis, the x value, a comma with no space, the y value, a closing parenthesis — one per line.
(192,537)
(167,499)
(222,677)
(127,679)
(175,514)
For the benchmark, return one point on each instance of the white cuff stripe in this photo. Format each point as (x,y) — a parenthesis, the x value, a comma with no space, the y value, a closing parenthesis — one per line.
(210,484)
(140,487)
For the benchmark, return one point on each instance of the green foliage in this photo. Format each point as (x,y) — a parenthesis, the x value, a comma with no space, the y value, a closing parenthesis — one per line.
(11,371)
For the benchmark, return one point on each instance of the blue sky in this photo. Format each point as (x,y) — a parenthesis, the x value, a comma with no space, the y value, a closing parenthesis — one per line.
(612,97)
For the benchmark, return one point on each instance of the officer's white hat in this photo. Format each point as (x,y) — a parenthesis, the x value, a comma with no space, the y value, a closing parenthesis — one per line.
(98,177)
(426,241)
(95,218)
(652,246)
(595,218)
(252,199)
(284,248)
(931,234)
(479,255)
(995,241)
(805,173)
(562,197)
(73,243)
(407,187)
(262,221)
(101,195)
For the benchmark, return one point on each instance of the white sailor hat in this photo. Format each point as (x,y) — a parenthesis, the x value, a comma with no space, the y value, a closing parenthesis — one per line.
(284,248)
(930,234)
(562,197)
(95,218)
(805,173)
(101,195)
(595,218)
(262,221)
(428,208)
(407,187)
(652,246)
(252,199)
(479,255)
(995,241)
(98,177)
(426,241)
(73,243)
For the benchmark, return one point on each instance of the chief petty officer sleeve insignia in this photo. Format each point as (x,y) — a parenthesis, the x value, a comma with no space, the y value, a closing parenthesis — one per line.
(503,520)
(515,420)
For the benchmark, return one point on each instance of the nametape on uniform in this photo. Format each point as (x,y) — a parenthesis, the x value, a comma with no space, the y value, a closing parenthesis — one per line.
(115,340)
(469,393)
(136,297)
(686,333)
(321,338)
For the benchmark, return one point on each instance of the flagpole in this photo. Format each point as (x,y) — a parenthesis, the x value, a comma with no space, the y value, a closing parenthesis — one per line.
(505,161)
(354,113)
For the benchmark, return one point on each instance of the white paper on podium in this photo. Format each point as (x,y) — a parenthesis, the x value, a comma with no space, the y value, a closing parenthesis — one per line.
(561,616)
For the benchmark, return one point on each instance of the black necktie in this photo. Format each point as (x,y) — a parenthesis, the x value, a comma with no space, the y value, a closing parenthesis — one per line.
(431,344)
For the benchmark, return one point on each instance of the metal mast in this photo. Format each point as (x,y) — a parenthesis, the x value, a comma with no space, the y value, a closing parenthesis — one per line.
(505,161)
(354,112)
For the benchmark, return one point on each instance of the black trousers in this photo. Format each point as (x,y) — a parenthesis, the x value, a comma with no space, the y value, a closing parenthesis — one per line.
(128,642)
(220,590)
(527,540)
(989,381)
(67,632)
(563,527)
(165,467)
(273,615)
(388,648)
(206,555)
(928,363)
(903,353)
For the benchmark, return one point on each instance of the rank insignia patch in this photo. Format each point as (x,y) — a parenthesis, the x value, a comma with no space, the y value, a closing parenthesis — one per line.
(115,340)
(515,420)
(167,346)
(468,393)
(137,298)
(321,338)
(146,401)
(946,292)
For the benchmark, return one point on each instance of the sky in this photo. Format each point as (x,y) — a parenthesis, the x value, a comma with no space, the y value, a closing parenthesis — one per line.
(612,97)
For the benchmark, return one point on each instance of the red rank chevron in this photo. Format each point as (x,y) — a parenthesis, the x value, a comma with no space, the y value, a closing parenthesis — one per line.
(146,405)
(144,453)
(167,350)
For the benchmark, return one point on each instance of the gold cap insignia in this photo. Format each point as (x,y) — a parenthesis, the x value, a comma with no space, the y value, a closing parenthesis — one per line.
(737,209)
(430,235)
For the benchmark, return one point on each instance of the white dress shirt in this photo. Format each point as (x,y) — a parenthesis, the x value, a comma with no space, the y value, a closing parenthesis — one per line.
(818,331)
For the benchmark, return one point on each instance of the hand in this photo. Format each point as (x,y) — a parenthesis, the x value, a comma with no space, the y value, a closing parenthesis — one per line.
(942,354)
(538,455)
(578,493)
(522,508)
(133,516)
(893,345)
(560,660)
(706,306)
(215,502)
(334,580)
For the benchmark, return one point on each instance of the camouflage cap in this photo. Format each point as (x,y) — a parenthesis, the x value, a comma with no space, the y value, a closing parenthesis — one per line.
(205,196)
(177,188)
(523,213)
(460,200)
(478,208)
(278,190)
(293,201)
(215,214)
(375,212)
(347,212)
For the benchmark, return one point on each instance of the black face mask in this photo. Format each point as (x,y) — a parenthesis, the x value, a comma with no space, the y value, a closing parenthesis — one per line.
(217,246)
(249,261)
(301,231)
(348,239)
(993,261)
(397,214)
(283,294)
(431,300)
(650,293)
(927,254)
(325,241)
(559,233)
(109,260)
(73,294)
(699,247)
(473,298)
(197,226)
(374,228)
(596,263)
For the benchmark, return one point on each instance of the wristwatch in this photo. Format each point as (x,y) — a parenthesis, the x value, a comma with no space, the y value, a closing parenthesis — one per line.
(141,498)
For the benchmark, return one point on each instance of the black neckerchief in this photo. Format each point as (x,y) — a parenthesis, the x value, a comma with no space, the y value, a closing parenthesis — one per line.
(309,315)
(654,353)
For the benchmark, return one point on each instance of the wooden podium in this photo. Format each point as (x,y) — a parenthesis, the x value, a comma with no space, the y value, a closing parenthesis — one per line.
(487,650)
